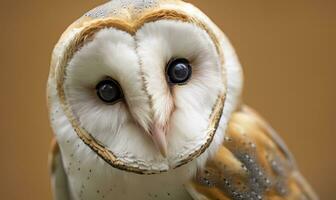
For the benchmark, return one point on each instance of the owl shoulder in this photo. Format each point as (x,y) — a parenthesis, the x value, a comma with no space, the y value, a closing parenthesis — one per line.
(252,163)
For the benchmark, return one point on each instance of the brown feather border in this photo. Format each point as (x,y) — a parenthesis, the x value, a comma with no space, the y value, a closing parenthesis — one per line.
(53,152)
(131,27)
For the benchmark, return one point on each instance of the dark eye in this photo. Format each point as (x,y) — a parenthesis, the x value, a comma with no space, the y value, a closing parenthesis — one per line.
(109,91)
(178,71)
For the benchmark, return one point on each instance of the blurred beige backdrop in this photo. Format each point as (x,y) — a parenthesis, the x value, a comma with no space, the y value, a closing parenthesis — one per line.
(287,49)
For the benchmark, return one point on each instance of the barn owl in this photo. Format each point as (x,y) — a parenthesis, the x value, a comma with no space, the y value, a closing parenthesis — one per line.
(145,102)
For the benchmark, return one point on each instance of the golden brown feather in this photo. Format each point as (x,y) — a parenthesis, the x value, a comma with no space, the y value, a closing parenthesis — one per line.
(253,163)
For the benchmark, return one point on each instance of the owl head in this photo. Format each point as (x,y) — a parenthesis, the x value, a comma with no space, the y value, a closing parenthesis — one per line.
(147,85)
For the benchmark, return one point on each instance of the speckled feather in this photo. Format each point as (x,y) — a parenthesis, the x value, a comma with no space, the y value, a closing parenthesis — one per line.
(253,163)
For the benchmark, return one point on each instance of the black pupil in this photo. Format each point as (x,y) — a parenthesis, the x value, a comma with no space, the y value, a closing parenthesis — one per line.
(179,71)
(108,91)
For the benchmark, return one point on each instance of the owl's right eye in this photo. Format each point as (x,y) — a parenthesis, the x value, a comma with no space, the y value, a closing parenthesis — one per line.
(109,91)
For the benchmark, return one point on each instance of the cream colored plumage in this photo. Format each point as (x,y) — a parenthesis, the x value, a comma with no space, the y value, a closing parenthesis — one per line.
(160,140)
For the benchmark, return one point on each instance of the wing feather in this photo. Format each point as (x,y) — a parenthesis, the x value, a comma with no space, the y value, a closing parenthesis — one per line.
(253,163)
(59,181)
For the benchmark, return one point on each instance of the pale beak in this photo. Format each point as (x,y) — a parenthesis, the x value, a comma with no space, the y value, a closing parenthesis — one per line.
(158,135)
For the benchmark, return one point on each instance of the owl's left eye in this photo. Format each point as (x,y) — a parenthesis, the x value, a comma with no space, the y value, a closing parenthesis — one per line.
(178,71)
(109,91)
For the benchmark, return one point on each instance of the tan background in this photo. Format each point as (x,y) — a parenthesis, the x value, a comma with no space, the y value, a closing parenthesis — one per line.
(287,49)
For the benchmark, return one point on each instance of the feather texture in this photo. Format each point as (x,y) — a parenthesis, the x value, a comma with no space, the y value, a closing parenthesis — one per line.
(253,163)
(59,180)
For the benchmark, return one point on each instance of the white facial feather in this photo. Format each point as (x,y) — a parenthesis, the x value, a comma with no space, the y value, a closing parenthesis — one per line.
(112,54)
(130,61)
(161,41)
